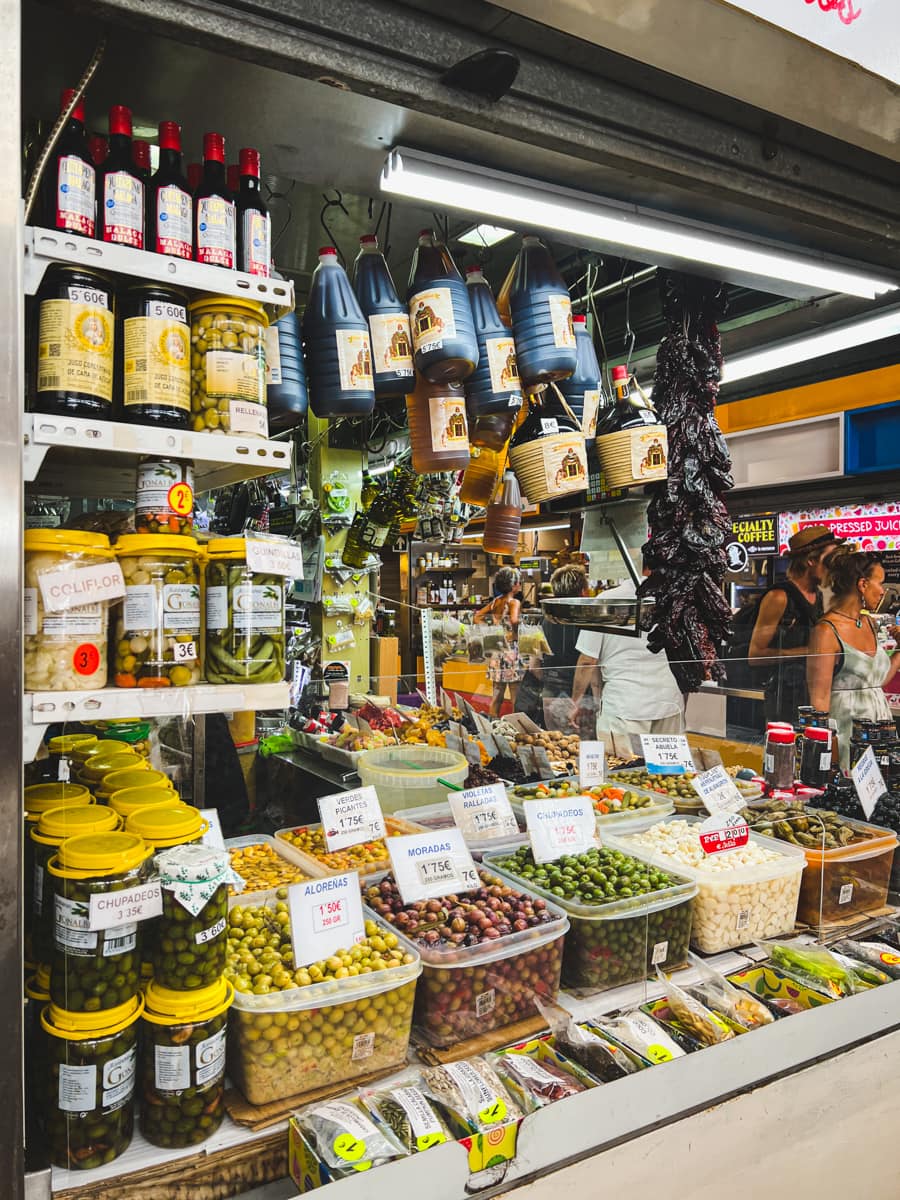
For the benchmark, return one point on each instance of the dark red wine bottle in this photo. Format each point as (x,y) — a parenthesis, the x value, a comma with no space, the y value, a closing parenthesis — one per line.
(254,240)
(214,235)
(98,148)
(169,209)
(69,183)
(120,201)
(194,175)
(140,156)
(233,179)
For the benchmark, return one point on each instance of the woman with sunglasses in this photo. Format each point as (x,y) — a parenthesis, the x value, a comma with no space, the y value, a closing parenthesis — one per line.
(847,668)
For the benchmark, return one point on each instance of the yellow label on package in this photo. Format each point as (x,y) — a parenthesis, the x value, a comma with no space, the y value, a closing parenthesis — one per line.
(565,466)
(589,413)
(241,376)
(391,343)
(433,320)
(447,417)
(561,316)
(157,361)
(75,347)
(649,452)
(354,353)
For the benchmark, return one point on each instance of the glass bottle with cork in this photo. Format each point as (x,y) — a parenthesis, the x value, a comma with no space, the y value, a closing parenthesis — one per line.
(214,223)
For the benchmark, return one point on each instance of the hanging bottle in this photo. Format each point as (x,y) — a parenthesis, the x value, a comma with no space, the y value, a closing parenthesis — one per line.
(541,316)
(583,389)
(336,339)
(388,320)
(444,344)
(120,202)
(632,443)
(493,390)
(481,476)
(629,408)
(169,224)
(503,518)
(70,178)
(214,232)
(438,433)
(547,454)
(286,392)
(254,230)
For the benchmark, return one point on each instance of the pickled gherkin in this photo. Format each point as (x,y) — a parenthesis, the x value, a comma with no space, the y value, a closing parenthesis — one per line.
(193,930)
(244,618)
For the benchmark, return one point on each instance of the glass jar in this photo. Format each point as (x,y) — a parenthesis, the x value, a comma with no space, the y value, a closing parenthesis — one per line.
(136,799)
(164,826)
(65,646)
(92,1062)
(228,367)
(156,356)
(76,335)
(97,768)
(85,751)
(183,1063)
(40,798)
(164,496)
(95,969)
(130,776)
(60,751)
(244,618)
(193,929)
(157,632)
(779,758)
(134,735)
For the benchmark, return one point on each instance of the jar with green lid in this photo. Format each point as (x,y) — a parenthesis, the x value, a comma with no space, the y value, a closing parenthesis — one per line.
(164,826)
(183,1063)
(244,618)
(133,734)
(157,631)
(135,799)
(76,337)
(88,750)
(65,642)
(156,356)
(46,837)
(131,776)
(97,768)
(193,929)
(95,969)
(89,1097)
(228,367)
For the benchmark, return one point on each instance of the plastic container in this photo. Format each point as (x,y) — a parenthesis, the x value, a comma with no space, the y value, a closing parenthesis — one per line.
(305,845)
(438,432)
(183,1063)
(65,647)
(292,867)
(95,769)
(135,735)
(443,332)
(135,799)
(548,456)
(156,356)
(440,816)
(583,390)
(503,519)
(624,820)
(286,393)
(76,336)
(337,345)
(849,882)
(92,1061)
(407,776)
(137,774)
(157,631)
(228,367)
(41,797)
(164,496)
(492,431)
(494,385)
(244,618)
(388,320)
(541,317)
(85,751)
(165,826)
(192,932)
(481,476)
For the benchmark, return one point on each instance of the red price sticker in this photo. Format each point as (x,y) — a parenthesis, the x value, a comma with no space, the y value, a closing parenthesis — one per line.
(86,659)
(181,499)
(718,840)
(329,915)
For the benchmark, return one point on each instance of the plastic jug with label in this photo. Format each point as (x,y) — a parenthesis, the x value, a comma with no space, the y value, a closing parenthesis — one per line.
(388,320)
(479,482)
(438,433)
(584,390)
(503,518)
(541,316)
(494,384)
(444,343)
(336,340)
(286,395)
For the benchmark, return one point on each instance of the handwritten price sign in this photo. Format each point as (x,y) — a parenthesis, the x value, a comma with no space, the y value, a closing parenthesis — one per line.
(428,865)
(667,753)
(723,832)
(326,916)
(558,827)
(349,818)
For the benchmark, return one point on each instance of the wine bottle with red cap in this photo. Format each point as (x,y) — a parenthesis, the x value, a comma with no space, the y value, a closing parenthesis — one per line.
(169,219)
(98,148)
(120,215)
(194,175)
(70,178)
(214,235)
(140,156)
(233,179)
(254,238)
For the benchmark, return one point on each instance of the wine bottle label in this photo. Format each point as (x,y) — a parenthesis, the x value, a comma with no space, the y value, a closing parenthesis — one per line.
(173,222)
(75,195)
(257,242)
(123,210)
(589,413)
(215,231)
(447,417)
(391,344)
(432,318)
(354,354)
(157,359)
(501,356)
(561,317)
(75,344)
(565,466)
(649,452)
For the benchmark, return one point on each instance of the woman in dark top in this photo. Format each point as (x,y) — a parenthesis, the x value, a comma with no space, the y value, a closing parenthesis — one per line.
(555,675)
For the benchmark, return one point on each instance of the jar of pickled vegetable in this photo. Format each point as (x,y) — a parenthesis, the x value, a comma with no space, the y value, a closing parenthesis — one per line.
(130,776)
(165,826)
(164,500)
(130,800)
(244,618)
(183,1063)
(96,769)
(41,798)
(65,644)
(228,367)
(157,631)
(89,1098)
(95,969)
(193,929)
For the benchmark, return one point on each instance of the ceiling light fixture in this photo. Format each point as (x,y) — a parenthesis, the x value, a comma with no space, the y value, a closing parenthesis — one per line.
(607,224)
(485,236)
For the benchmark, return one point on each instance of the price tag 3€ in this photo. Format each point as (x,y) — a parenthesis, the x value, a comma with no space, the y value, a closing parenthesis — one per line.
(349,818)
(558,827)
(326,916)
(428,865)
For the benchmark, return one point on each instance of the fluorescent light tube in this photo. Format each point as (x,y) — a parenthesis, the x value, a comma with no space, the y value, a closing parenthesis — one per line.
(484,235)
(531,204)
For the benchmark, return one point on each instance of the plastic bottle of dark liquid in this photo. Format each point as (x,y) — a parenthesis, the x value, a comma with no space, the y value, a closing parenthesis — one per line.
(336,339)
(286,395)
(70,180)
(169,224)
(254,230)
(120,189)
(444,343)
(583,389)
(493,391)
(503,518)
(214,232)
(541,316)
(438,433)
(388,320)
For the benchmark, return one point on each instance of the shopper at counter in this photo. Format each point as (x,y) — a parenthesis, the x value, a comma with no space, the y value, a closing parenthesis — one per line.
(553,677)
(847,668)
(504,669)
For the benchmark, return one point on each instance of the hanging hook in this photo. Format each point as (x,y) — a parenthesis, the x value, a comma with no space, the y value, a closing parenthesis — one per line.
(333,203)
(630,336)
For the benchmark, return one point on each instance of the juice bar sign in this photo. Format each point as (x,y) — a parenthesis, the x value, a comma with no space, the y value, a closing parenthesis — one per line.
(758,535)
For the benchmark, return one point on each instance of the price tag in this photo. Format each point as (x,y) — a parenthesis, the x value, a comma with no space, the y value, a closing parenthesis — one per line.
(326,916)
(667,753)
(86,659)
(427,865)
(723,831)
(868,781)
(484,812)
(80,586)
(591,764)
(185,651)
(718,791)
(181,499)
(558,827)
(213,836)
(349,818)
(109,909)
(275,556)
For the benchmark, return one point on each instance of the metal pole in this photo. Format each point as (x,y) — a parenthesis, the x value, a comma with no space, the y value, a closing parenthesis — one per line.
(620,285)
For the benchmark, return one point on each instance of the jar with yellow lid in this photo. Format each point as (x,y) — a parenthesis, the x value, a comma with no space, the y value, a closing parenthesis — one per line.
(192,931)
(183,1063)
(96,969)
(64,630)
(89,1097)
(164,826)
(244,618)
(228,367)
(97,768)
(88,750)
(58,764)
(40,798)
(131,776)
(157,629)
(130,800)
(37,996)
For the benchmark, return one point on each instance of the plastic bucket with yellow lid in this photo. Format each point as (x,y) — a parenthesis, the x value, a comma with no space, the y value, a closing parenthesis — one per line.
(41,797)
(120,759)
(162,827)
(130,777)
(87,750)
(130,800)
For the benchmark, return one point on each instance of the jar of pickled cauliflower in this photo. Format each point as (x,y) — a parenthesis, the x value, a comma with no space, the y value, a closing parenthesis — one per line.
(228,367)
(66,641)
(157,629)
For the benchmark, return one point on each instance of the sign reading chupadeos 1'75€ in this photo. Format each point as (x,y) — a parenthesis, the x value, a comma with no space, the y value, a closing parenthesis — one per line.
(428,865)
(558,827)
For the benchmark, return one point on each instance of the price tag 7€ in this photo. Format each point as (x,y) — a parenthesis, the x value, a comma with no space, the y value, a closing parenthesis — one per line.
(667,753)
(349,818)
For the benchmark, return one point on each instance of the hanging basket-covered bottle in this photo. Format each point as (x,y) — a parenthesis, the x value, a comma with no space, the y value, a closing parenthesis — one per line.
(443,333)
(389,331)
(548,456)
(632,443)
(336,340)
(583,389)
(438,433)
(541,317)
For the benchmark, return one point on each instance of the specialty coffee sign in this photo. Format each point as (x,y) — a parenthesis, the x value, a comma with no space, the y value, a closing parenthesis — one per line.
(558,827)
(349,818)
(667,753)
(483,813)
(428,865)
(326,916)
(758,535)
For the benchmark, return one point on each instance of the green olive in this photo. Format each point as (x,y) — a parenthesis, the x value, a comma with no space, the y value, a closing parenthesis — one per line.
(183,1115)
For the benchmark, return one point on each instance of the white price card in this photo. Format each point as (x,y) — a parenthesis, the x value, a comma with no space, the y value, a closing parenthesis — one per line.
(718,791)
(185,651)
(349,818)
(868,781)
(81,586)
(428,865)
(558,827)
(484,812)
(667,753)
(723,831)
(213,836)
(326,916)
(109,909)
(275,556)
(591,763)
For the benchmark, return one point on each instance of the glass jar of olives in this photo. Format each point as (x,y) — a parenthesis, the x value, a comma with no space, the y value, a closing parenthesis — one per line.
(244,618)
(157,631)
(40,798)
(135,799)
(228,367)
(91,1067)
(95,969)
(183,1063)
(166,826)
(193,929)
